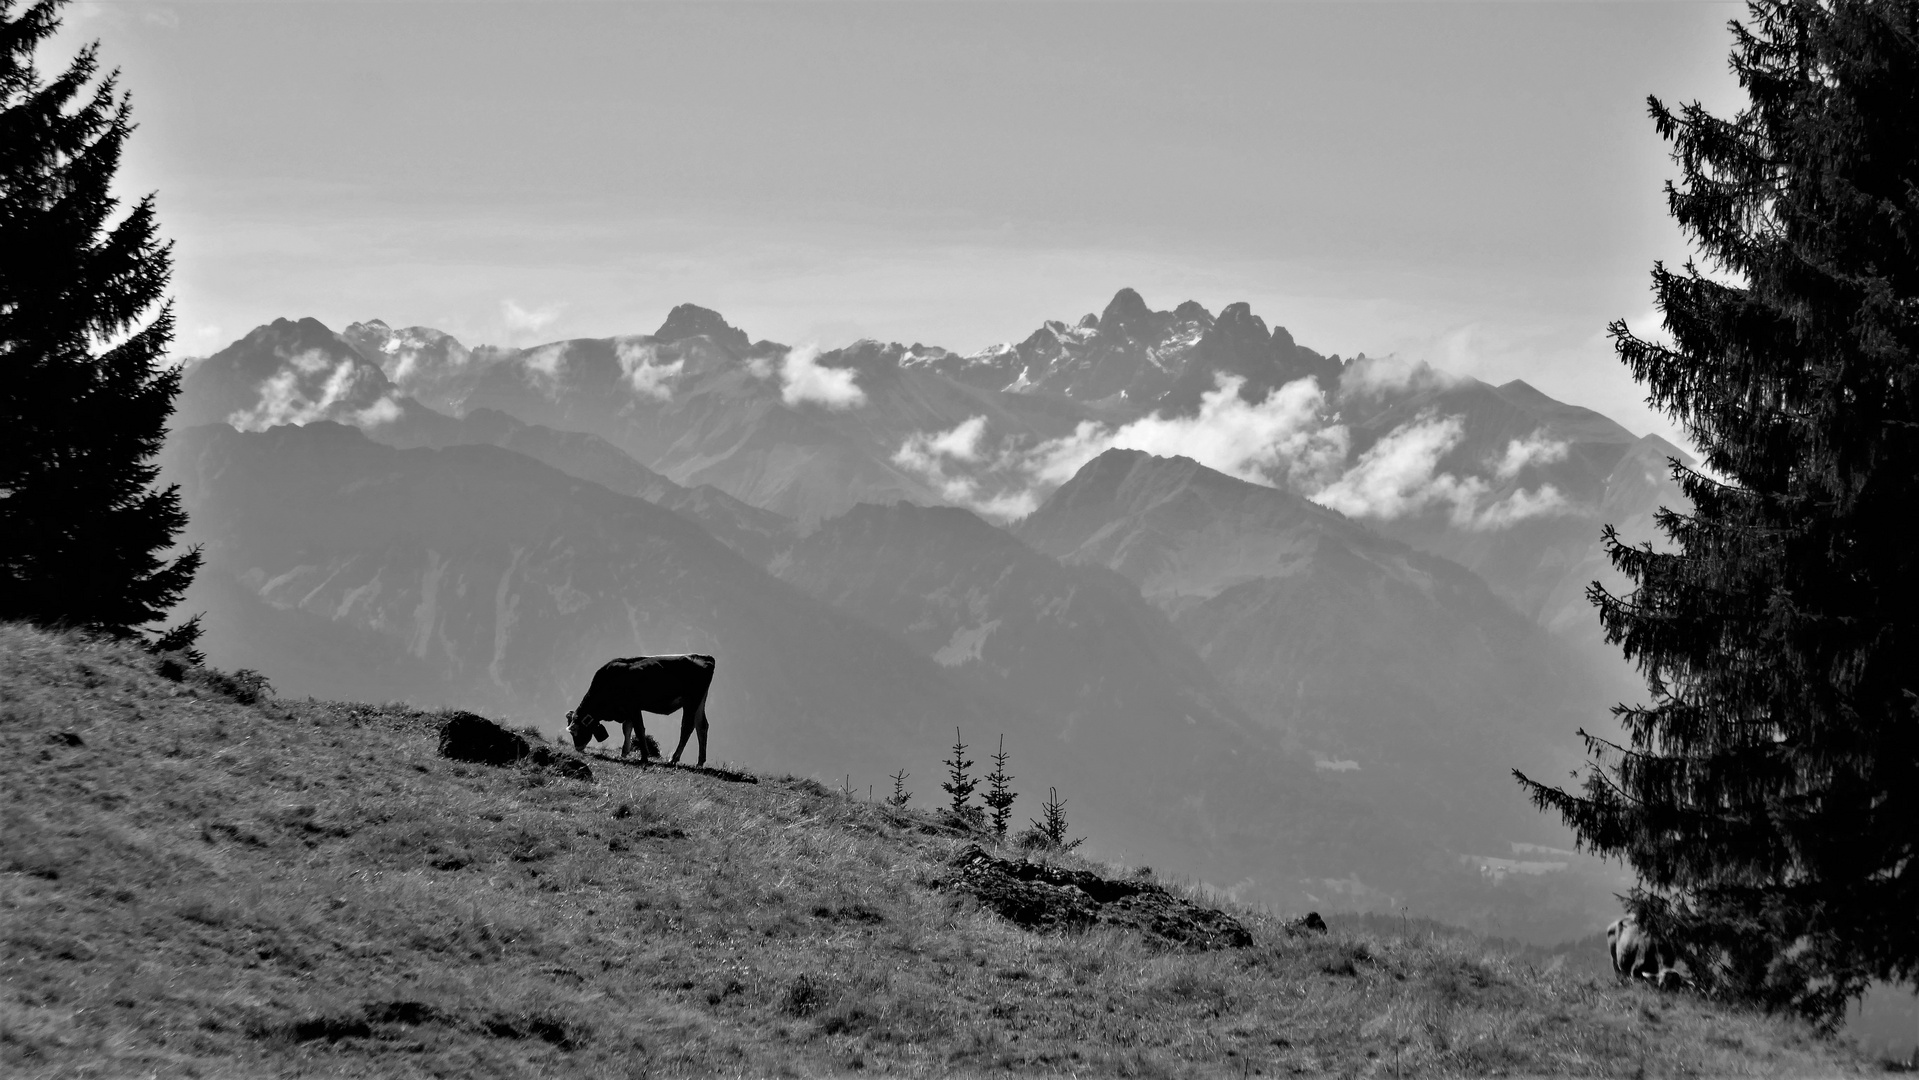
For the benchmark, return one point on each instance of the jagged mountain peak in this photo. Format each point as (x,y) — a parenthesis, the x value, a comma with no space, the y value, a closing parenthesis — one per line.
(691,320)
(1132,356)
(304,332)
(1237,322)
(1126,309)
(1193,311)
(286,371)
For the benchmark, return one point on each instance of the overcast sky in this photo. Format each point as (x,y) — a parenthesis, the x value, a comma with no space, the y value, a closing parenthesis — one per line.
(1472,184)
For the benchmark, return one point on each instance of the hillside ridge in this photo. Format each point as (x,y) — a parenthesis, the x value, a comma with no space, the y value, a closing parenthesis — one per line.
(198,880)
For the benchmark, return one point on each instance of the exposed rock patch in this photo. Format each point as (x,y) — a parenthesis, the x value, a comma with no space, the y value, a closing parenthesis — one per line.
(1051,898)
(469,737)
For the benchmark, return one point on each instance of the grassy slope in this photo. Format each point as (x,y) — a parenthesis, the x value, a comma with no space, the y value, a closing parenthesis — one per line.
(202,887)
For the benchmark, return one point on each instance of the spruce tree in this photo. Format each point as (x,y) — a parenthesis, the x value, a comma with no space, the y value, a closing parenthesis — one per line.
(1051,825)
(84,393)
(1767,792)
(959,786)
(900,796)
(999,792)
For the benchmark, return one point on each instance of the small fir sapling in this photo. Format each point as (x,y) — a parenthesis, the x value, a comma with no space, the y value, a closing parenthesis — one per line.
(1052,826)
(999,795)
(900,796)
(959,786)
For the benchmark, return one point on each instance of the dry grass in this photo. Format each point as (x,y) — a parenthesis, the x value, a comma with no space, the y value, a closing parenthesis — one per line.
(199,887)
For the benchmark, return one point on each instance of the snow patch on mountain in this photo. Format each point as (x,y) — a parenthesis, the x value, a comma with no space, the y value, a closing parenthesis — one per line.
(966,644)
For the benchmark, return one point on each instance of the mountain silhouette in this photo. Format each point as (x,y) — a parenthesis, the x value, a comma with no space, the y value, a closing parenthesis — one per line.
(1402,668)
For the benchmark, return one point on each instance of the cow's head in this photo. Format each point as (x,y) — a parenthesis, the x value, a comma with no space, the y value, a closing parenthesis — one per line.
(584,729)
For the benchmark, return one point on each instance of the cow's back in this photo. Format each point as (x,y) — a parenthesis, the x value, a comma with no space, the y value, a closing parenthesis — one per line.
(653,683)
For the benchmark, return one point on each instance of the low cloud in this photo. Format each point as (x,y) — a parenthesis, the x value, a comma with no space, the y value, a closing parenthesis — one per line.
(1543,501)
(1534,449)
(640,366)
(1399,476)
(546,361)
(384,411)
(521,320)
(956,464)
(803,378)
(312,385)
(288,398)
(1287,440)
(1282,439)
(924,451)
(1370,376)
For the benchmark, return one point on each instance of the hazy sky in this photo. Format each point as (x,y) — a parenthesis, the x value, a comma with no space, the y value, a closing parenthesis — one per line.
(1472,184)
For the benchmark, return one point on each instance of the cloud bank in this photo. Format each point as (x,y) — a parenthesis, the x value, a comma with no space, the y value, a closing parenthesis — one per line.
(1281,439)
(640,367)
(1399,476)
(1534,449)
(1371,376)
(308,387)
(1288,440)
(955,463)
(803,378)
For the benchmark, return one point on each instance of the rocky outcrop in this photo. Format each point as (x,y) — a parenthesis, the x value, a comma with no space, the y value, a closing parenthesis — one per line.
(1047,898)
(469,737)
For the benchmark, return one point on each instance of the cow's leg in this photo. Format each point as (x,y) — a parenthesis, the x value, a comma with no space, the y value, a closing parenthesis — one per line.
(692,722)
(636,735)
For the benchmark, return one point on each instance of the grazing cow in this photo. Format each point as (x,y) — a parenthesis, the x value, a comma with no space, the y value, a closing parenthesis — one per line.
(1636,953)
(623,689)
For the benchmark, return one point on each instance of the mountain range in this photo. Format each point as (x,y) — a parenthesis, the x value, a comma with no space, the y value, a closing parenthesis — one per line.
(1287,617)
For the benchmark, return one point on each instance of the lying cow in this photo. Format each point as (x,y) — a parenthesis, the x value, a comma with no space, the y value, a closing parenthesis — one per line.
(1637,953)
(623,689)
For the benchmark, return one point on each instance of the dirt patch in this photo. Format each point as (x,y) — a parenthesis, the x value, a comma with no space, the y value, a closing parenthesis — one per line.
(1046,898)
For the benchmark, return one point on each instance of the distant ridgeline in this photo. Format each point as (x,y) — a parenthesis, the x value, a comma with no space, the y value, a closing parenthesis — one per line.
(1278,621)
